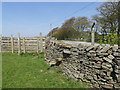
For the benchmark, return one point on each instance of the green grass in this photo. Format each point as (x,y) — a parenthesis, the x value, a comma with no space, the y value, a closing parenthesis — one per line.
(29,71)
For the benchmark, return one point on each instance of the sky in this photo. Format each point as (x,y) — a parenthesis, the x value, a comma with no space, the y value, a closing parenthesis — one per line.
(31,18)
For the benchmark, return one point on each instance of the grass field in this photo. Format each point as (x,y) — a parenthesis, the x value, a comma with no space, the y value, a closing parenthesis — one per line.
(29,71)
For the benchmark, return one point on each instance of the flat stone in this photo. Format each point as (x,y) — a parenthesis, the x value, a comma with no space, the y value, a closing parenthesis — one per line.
(92,51)
(81,49)
(110,52)
(88,54)
(119,50)
(107,66)
(117,85)
(111,81)
(68,46)
(102,74)
(67,51)
(52,63)
(59,59)
(97,71)
(75,53)
(111,57)
(89,48)
(118,62)
(97,66)
(118,78)
(101,79)
(105,49)
(104,54)
(99,48)
(118,58)
(117,71)
(105,86)
(115,48)
(76,75)
(107,59)
(74,45)
(118,67)
(74,49)
(96,47)
(89,77)
(91,54)
(108,78)
(96,85)
(101,56)
(95,77)
(98,59)
(98,62)
(108,74)
(81,52)
(116,54)
(81,76)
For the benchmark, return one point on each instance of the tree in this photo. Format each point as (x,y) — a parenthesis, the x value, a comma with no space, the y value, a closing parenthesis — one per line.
(108,21)
(81,24)
(108,13)
(69,22)
(52,31)
(66,31)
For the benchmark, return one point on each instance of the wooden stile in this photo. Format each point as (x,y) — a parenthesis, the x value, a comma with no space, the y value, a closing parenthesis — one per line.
(13,44)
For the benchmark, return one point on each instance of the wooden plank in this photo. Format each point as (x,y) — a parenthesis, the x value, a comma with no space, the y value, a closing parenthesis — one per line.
(12,44)
(24,45)
(19,44)
(41,44)
(37,45)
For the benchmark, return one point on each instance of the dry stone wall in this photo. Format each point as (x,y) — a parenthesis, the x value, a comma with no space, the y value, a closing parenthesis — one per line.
(97,65)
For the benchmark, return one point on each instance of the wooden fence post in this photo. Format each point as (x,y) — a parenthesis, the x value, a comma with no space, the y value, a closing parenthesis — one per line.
(41,43)
(93,34)
(0,42)
(0,61)
(37,45)
(19,44)
(24,48)
(12,44)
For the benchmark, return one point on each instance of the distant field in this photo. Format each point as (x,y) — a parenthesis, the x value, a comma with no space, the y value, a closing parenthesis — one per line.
(29,71)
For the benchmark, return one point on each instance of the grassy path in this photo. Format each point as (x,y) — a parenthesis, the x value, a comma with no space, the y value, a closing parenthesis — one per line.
(28,71)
